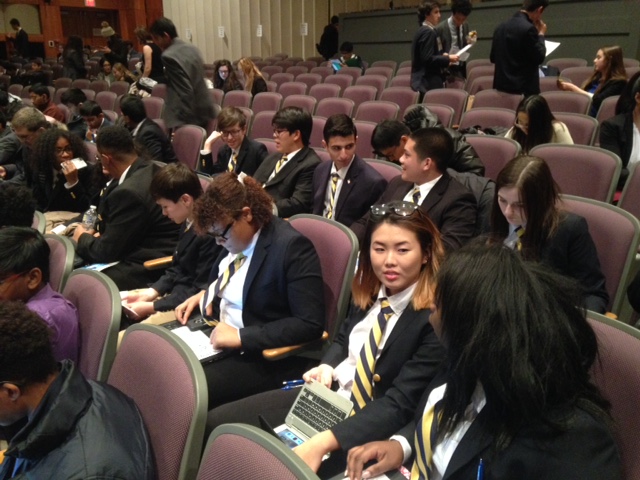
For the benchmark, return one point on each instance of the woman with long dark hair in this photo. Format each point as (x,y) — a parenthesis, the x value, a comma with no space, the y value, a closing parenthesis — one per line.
(514,400)
(224,76)
(535,125)
(72,60)
(527,216)
(608,79)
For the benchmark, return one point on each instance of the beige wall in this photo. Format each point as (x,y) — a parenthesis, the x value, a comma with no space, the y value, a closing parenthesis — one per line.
(27,15)
(280,20)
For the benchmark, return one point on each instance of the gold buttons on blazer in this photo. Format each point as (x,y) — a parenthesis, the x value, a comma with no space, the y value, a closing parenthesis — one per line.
(376,377)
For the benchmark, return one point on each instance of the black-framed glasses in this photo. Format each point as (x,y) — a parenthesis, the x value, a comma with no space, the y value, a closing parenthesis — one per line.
(224,235)
(403,209)
(279,131)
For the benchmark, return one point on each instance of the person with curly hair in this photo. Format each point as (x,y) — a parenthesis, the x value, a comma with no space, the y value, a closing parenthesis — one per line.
(254,82)
(122,74)
(224,76)
(106,72)
(273,296)
(17,206)
(57,182)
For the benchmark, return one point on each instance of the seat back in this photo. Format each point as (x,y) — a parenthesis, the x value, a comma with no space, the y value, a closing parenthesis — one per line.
(292,88)
(337,248)
(324,72)
(454,98)
(607,108)
(630,198)
(377,111)
(479,84)
(588,172)
(392,64)
(476,72)
(486,117)
(401,81)
(325,90)
(494,152)
(217,95)
(353,72)
(494,98)
(549,84)
(280,78)
(266,101)
(153,106)
(159,90)
(577,75)
(365,132)
(330,106)
(237,98)
(81,83)
(359,94)
(343,81)
(63,82)
(99,86)
(306,102)
(297,70)
(166,381)
(120,87)
(62,253)
(388,170)
(615,373)
(444,113)
(316,137)
(562,63)
(616,252)
(309,79)
(98,302)
(244,452)
(402,96)
(187,143)
(262,126)
(582,128)
(106,100)
(379,82)
(272,70)
(567,102)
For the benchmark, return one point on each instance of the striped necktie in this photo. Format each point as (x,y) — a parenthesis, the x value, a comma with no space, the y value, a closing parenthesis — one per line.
(280,164)
(362,389)
(215,288)
(415,195)
(519,232)
(233,161)
(425,440)
(332,199)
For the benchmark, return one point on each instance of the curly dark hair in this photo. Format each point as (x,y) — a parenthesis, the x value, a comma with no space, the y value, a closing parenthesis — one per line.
(17,206)
(227,196)
(26,355)
(43,155)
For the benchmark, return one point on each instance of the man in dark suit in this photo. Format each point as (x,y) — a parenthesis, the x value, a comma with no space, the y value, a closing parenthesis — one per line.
(454,33)
(188,100)
(424,180)
(345,188)
(239,154)
(131,228)
(146,133)
(288,174)
(518,50)
(20,40)
(95,119)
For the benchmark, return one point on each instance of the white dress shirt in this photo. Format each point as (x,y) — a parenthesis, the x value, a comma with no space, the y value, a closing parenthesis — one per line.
(425,188)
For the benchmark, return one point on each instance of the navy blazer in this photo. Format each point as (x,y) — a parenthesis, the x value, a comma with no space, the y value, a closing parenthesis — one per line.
(449,204)
(292,188)
(447,42)
(428,61)
(616,135)
(585,451)
(250,156)
(154,142)
(517,51)
(189,270)
(283,293)
(407,364)
(361,187)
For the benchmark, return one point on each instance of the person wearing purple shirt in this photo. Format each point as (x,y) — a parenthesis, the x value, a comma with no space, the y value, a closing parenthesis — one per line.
(24,276)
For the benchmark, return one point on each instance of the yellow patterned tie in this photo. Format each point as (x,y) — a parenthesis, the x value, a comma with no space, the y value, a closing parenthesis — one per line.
(425,439)
(415,195)
(332,199)
(280,164)
(520,233)
(233,161)
(215,288)
(362,389)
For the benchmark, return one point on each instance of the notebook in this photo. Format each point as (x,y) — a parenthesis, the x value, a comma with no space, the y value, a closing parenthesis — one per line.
(316,409)
(196,335)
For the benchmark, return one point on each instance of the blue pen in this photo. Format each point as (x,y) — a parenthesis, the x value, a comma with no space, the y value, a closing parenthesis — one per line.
(293,383)
(290,387)
(480,474)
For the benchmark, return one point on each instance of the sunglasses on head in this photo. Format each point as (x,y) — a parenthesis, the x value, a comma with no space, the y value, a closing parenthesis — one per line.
(402,209)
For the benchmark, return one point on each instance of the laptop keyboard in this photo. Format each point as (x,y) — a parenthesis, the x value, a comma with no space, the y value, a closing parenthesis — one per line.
(317,412)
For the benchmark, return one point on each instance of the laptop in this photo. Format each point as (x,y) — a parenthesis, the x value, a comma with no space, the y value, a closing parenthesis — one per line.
(316,409)
(196,335)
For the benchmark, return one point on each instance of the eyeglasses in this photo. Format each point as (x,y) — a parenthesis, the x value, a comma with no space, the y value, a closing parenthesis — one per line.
(223,72)
(67,149)
(231,133)
(17,384)
(403,209)
(224,235)
(279,131)
(11,278)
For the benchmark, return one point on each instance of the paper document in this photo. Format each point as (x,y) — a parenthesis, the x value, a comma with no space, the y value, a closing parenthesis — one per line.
(551,46)
(198,341)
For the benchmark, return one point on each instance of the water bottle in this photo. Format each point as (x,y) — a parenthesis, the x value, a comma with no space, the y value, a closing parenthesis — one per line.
(90,218)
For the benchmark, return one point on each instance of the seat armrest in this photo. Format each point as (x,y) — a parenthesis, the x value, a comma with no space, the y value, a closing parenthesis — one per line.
(283,352)
(158,263)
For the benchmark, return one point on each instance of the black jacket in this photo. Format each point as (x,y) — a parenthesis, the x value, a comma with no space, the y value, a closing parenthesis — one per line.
(81,429)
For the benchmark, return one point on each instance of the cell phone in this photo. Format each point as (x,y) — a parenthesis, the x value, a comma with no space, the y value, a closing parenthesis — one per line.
(79,163)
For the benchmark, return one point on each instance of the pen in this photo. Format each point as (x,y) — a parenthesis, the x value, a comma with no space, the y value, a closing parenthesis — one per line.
(290,387)
(292,383)
(480,474)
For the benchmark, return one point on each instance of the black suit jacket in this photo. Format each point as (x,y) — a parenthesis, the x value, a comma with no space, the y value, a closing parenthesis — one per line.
(571,252)
(616,135)
(609,89)
(154,142)
(450,205)
(428,61)
(283,300)
(250,156)
(362,186)
(407,364)
(585,451)
(447,42)
(189,271)
(517,51)
(292,187)
(131,226)
(57,197)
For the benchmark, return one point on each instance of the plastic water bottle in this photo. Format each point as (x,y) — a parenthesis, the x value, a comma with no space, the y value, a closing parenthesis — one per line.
(90,218)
